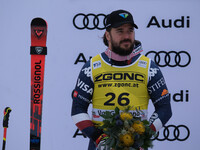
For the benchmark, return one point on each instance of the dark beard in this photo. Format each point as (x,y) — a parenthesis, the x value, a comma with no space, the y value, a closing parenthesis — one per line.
(121,51)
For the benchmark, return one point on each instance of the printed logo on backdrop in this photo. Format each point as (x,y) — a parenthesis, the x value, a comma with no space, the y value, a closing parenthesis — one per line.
(173,133)
(167,133)
(89,21)
(81,59)
(182,96)
(78,133)
(170,59)
(182,22)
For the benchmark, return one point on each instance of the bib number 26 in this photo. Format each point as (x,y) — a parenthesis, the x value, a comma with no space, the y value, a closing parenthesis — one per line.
(122,99)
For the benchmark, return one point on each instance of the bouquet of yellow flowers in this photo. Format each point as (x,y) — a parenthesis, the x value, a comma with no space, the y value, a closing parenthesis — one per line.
(125,131)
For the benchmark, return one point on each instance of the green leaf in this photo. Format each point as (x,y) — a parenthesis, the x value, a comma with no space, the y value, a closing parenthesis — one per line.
(145,122)
(117,110)
(106,115)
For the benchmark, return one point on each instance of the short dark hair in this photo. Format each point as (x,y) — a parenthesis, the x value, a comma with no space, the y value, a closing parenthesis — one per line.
(105,41)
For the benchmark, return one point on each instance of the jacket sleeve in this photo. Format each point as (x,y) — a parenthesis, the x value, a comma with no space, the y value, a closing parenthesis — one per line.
(82,96)
(160,97)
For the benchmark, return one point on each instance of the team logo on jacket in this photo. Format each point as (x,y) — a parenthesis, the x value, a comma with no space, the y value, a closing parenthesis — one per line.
(87,71)
(164,92)
(75,94)
(142,63)
(96,64)
(152,72)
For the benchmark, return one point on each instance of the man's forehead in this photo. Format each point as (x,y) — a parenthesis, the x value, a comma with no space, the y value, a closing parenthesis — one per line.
(125,26)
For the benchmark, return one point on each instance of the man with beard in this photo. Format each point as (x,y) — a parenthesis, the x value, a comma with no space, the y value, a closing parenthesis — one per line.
(120,76)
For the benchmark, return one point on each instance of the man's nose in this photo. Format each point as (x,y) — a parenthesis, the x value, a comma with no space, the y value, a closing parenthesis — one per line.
(126,35)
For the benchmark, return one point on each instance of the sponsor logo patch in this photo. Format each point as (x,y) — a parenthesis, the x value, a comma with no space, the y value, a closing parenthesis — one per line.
(96,64)
(75,93)
(142,63)
(164,92)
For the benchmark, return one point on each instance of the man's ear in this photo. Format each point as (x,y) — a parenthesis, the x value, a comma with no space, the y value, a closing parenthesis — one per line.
(107,35)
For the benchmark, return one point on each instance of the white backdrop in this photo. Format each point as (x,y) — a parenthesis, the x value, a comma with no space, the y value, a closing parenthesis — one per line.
(65,42)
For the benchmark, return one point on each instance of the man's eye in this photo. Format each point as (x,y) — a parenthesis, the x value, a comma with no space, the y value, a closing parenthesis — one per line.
(131,30)
(119,31)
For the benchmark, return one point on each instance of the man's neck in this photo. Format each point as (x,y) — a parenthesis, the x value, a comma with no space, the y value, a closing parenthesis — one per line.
(117,57)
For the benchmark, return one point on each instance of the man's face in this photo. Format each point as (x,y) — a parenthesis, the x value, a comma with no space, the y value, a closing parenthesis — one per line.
(121,39)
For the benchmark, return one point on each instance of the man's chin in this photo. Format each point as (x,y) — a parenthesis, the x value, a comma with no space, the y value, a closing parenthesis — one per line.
(126,48)
(125,52)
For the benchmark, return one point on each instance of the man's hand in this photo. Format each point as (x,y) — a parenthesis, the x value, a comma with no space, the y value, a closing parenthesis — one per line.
(100,142)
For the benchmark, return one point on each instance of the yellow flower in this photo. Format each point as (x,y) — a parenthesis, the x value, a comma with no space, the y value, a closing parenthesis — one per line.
(126,116)
(127,140)
(139,127)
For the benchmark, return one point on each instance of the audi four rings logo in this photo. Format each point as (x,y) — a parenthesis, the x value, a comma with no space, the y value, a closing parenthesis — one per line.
(171,58)
(89,21)
(172,133)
